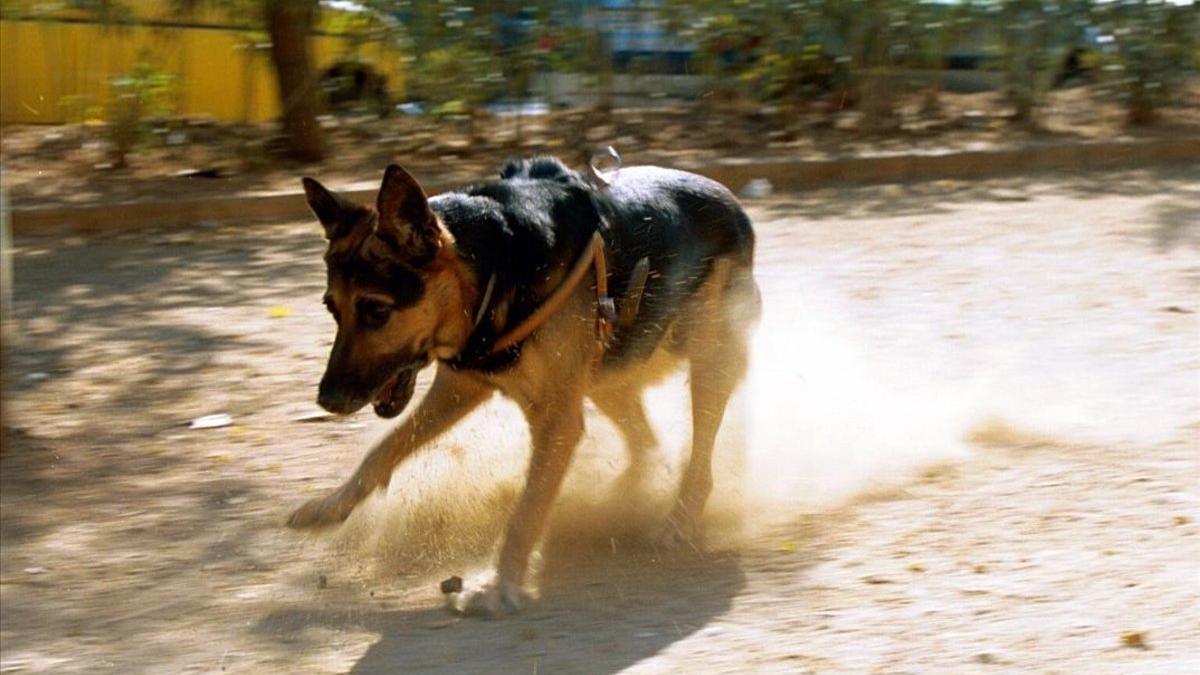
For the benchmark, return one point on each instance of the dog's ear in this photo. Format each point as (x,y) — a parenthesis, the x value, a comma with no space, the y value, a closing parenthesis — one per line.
(334,211)
(405,220)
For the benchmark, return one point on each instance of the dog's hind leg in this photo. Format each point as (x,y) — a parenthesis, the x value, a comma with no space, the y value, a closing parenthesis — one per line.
(623,405)
(719,356)
(451,396)
(714,376)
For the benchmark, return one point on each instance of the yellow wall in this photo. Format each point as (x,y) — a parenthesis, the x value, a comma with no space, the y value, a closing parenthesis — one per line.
(219,72)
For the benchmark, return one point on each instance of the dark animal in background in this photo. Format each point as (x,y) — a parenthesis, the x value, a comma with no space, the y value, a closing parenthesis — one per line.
(351,84)
(454,279)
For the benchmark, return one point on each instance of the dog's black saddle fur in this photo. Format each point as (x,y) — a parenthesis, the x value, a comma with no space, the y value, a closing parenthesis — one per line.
(540,216)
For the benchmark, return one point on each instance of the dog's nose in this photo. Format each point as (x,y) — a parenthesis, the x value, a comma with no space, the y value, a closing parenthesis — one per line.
(332,399)
(326,401)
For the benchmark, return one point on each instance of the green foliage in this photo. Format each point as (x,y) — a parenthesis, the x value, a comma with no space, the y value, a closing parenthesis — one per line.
(1029,32)
(464,53)
(776,50)
(782,77)
(80,109)
(1155,47)
(455,79)
(751,47)
(769,49)
(108,11)
(138,98)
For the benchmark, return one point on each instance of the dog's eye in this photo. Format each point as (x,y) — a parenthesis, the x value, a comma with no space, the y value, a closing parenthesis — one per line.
(374,313)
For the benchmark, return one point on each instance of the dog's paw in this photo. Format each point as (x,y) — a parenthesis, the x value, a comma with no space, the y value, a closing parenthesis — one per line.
(488,597)
(331,509)
(679,532)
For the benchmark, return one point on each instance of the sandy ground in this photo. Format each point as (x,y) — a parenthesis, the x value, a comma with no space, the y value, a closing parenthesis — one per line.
(970,442)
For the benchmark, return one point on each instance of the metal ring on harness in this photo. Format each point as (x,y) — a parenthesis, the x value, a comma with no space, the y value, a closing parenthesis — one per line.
(598,174)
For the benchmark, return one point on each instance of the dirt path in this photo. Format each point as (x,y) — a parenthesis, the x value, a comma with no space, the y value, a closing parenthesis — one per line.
(1050,322)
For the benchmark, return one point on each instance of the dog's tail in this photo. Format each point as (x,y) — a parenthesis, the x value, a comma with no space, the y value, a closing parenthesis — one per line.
(756,303)
(746,299)
(754,309)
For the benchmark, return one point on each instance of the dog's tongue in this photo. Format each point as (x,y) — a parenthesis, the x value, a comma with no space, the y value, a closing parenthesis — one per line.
(396,393)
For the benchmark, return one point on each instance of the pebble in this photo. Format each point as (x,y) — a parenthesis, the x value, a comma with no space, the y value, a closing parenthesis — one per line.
(452,585)
(757,189)
(1134,640)
(211,421)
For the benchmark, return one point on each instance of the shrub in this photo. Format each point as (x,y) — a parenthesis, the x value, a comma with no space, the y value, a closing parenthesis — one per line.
(138,98)
(1154,45)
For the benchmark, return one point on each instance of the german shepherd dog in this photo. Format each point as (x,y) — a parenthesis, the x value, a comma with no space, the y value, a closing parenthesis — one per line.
(418,280)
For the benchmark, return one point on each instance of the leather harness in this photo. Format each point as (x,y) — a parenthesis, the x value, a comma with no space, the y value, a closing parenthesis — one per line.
(606,312)
(593,256)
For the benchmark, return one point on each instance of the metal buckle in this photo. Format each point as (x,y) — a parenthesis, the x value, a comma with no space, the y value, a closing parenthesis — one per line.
(606,319)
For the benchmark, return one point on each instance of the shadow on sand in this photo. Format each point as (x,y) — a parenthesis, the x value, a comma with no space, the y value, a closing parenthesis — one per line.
(600,612)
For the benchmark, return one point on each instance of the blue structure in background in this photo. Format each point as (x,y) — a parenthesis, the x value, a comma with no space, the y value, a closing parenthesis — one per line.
(638,37)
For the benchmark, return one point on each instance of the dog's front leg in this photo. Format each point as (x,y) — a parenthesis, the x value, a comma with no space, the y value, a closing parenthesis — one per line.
(555,433)
(451,396)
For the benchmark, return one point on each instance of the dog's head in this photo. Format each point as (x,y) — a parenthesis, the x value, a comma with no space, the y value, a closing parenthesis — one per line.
(395,287)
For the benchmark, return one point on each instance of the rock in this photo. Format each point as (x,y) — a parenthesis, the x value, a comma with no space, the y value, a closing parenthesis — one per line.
(757,189)
(452,585)
(207,172)
(211,421)
(314,416)
(1134,640)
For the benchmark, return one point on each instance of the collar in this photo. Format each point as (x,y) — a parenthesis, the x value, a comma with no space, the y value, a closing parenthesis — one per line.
(487,300)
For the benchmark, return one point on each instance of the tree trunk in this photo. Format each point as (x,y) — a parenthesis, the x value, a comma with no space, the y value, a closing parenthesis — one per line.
(289,23)
(605,77)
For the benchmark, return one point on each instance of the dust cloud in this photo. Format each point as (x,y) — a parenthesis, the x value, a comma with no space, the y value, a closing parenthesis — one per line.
(825,416)
(829,418)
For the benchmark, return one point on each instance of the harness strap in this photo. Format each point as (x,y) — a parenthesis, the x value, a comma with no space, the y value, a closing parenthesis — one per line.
(606,308)
(633,292)
(593,256)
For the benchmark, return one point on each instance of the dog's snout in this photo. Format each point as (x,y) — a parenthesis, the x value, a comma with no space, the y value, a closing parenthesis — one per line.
(327,401)
(334,399)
